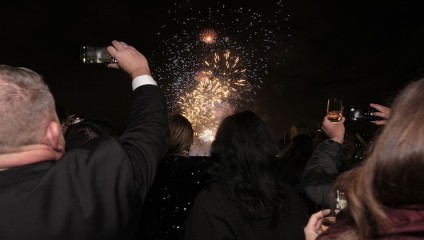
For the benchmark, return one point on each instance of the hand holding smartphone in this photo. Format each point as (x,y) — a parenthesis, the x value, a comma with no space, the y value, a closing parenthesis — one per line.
(359,113)
(95,55)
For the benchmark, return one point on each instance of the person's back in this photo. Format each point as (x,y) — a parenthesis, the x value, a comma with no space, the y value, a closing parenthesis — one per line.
(248,198)
(169,201)
(216,216)
(294,160)
(295,157)
(88,193)
(178,180)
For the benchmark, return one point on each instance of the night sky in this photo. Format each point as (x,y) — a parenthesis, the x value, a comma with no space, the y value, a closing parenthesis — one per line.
(362,51)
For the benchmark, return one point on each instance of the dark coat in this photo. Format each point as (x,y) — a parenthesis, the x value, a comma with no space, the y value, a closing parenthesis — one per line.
(169,201)
(321,171)
(214,216)
(94,191)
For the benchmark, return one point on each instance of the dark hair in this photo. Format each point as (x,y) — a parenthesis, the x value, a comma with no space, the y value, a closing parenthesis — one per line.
(86,130)
(244,159)
(180,134)
(392,174)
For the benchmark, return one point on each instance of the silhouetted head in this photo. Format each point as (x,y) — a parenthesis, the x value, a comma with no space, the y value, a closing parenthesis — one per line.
(244,159)
(180,135)
(84,130)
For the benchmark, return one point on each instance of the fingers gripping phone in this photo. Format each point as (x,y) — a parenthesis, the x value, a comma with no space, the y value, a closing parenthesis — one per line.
(359,113)
(92,55)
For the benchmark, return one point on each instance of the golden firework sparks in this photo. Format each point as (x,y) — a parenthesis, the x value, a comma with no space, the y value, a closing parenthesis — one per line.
(221,80)
(225,67)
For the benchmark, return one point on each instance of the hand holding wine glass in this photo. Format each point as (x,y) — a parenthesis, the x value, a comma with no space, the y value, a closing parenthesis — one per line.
(328,219)
(338,204)
(334,130)
(313,228)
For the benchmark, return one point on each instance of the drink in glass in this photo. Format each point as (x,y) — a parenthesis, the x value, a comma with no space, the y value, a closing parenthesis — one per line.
(334,109)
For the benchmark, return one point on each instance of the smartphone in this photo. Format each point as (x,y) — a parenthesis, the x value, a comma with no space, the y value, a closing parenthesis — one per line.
(359,113)
(93,55)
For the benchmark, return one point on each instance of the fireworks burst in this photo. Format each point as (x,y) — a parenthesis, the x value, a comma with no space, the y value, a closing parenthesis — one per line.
(207,135)
(218,57)
(208,36)
(199,105)
(227,69)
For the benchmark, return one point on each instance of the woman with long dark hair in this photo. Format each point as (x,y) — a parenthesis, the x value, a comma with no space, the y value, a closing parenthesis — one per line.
(248,198)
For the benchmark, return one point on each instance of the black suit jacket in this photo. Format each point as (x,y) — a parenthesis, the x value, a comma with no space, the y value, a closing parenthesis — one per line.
(92,192)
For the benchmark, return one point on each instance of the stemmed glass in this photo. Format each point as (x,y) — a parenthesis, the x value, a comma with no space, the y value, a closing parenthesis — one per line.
(339,203)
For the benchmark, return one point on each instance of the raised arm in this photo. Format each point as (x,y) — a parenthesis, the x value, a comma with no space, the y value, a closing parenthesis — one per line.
(145,138)
(323,167)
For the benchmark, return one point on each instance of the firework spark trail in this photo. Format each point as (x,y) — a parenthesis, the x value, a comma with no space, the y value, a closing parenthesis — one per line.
(218,56)
(199,105)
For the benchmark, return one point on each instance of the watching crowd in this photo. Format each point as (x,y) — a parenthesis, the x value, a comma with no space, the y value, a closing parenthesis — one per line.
(75,179)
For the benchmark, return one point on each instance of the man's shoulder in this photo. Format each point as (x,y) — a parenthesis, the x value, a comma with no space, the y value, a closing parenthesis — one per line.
(104,149)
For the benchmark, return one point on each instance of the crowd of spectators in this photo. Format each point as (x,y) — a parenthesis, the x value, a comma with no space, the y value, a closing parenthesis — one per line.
(72,177)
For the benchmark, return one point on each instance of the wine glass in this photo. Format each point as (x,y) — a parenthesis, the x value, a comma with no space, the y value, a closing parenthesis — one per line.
(336,206)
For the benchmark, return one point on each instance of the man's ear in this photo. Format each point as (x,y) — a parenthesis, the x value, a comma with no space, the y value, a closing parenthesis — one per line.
(54,137)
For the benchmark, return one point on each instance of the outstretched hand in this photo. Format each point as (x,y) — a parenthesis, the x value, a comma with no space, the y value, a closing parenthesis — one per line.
(382,111)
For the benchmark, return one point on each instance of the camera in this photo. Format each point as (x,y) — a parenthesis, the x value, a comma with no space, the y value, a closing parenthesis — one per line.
(93,54)
(358,113)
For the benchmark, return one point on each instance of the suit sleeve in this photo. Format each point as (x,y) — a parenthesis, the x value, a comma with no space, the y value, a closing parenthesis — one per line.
(145,138)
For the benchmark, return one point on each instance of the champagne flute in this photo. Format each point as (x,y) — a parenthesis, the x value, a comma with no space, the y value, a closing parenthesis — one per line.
(341,199)
(335,207)
(329,219)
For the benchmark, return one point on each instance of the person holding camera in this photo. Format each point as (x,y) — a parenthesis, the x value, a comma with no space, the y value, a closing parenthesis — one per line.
(91,192)
(385,195)
(325,163)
